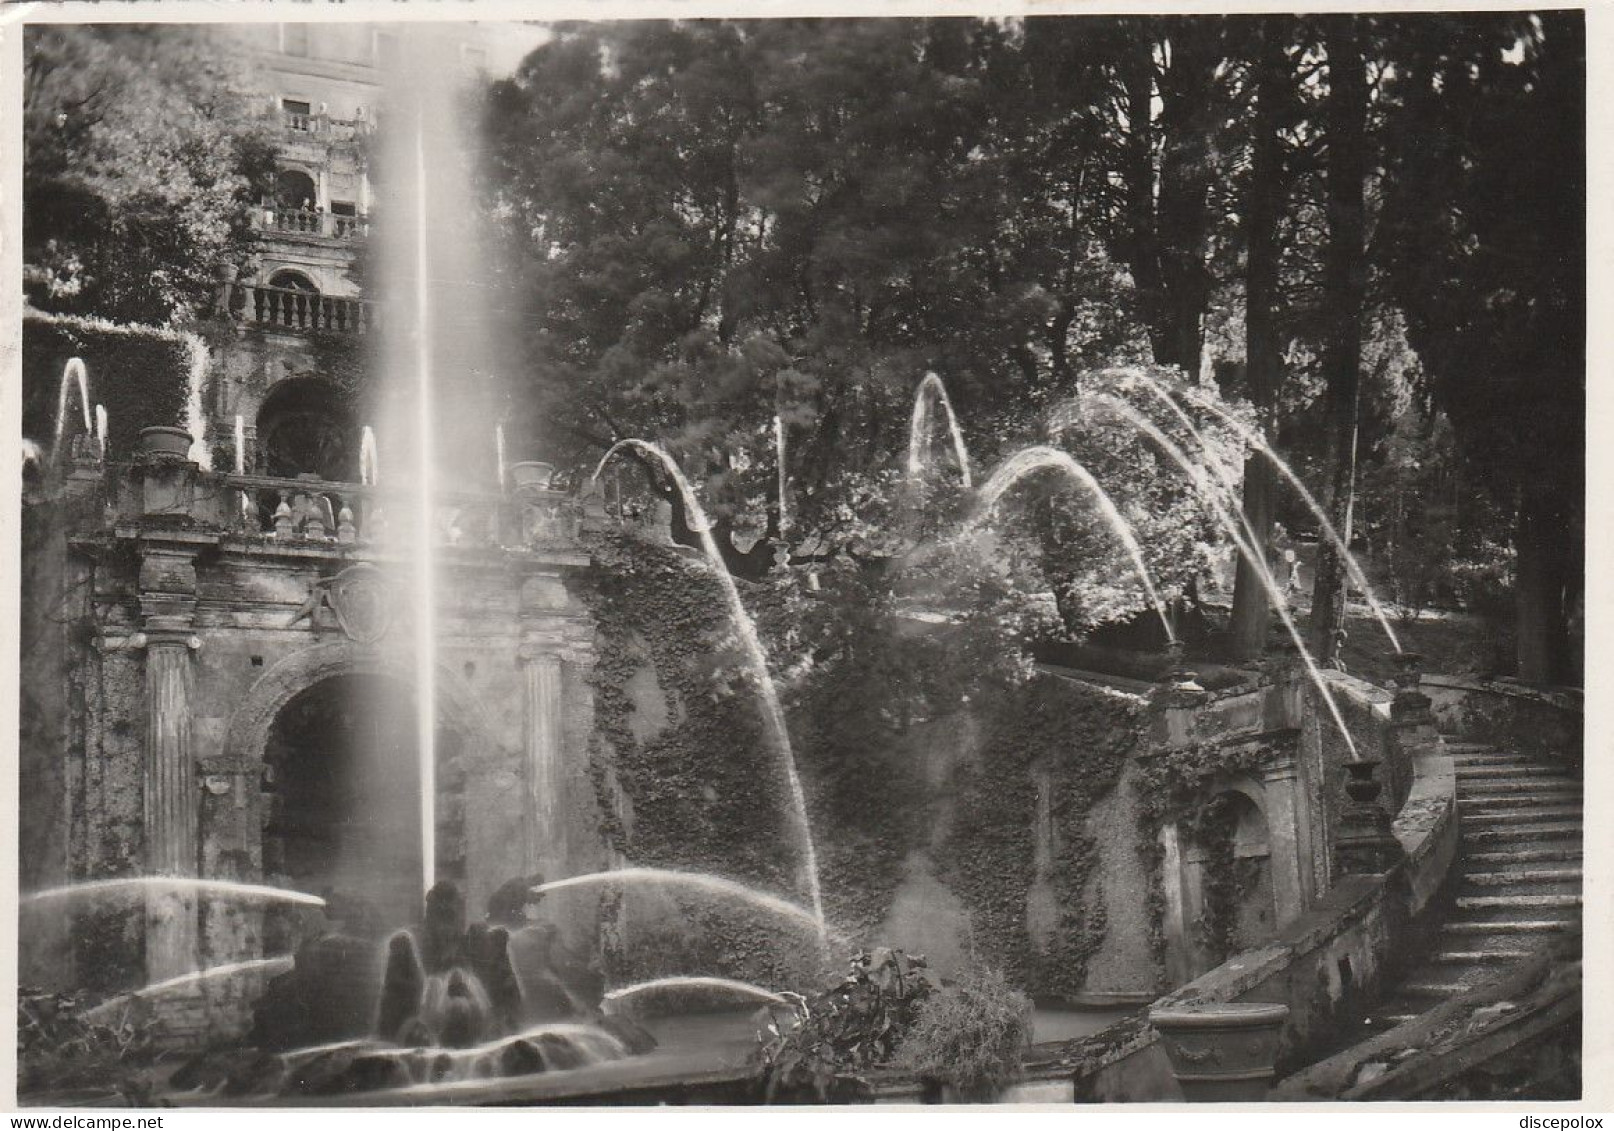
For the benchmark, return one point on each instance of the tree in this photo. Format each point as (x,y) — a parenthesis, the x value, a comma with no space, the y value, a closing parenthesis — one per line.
(1264,202)
(1484,246)
(1344,291)
(142,161)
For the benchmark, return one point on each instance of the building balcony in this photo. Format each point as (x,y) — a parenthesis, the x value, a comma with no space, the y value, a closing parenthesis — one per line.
(280,220)
(279,308)
(323,127)
(307,515)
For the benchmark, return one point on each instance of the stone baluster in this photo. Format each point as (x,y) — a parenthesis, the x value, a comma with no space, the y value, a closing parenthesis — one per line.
(315,526)
(284,523)
(346,532)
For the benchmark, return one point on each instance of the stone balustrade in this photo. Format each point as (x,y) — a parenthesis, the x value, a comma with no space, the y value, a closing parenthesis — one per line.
(279,308)
(303,221)
(323,512)
(324,126)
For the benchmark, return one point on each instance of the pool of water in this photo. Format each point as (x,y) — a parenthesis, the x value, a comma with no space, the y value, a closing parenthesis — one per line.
(695,1050)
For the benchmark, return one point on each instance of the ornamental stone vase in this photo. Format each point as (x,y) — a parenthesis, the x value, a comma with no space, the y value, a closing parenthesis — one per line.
(531,474)
(1221,1052)
(164,442)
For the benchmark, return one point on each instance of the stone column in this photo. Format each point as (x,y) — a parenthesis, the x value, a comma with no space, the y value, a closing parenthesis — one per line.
(543,748)
(1181,963)
(1288,838)
(168,604)
(170,803)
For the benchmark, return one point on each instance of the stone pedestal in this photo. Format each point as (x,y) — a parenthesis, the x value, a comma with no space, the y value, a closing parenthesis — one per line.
(1366,843)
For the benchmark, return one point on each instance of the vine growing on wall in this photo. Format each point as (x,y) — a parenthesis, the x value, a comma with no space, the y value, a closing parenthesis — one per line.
(1077,739)
(867,692)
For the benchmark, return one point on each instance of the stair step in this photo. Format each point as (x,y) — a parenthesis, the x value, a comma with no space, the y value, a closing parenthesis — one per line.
(1467,762)
(1502,791)
(1509,773)
(1421,988)
(1527,834)
(1525,855)
(1478,956)
(1567,814)
(1466,746)
(1468,804)
(1515,902)
(1509,926)
(1525,876)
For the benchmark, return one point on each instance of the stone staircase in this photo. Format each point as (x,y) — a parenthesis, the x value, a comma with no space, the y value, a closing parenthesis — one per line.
(1516,881)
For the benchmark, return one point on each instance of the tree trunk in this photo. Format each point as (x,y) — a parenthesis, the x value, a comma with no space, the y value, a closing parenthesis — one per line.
(1543,539)
(1188,117)
(1263,347)
(1344,284)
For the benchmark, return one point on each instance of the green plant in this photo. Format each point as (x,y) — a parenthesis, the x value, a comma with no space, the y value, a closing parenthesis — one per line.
(59,1045)
(820,1052)
(970,1036)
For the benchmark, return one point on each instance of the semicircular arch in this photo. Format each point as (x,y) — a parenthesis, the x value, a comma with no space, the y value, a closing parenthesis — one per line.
(458,704)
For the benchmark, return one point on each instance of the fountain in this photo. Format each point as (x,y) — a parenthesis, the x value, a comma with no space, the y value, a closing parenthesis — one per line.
(746,628)
(1245,542)
(369,467)
(931,389)
(1029,461)
(716,885)
(74,375)
(1259,442)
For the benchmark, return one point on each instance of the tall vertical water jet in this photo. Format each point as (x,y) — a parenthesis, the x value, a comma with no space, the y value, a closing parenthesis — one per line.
(779,465)
(101,429)
(498,451)
(240,444)
(1037,458)
(931,390)
(1243,540)
(424,576)
(773,711)
(369,465)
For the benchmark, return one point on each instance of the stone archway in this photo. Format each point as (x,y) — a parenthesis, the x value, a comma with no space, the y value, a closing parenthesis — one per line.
(1219,883)
(271,706)
(248,729)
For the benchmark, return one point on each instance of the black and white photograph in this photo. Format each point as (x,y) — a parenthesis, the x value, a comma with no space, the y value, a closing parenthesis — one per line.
(712,559)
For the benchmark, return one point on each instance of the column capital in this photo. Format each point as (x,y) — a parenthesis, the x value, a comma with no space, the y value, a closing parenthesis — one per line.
(169,637)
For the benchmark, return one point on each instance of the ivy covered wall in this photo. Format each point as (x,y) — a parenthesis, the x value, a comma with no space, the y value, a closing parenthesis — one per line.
(140,374)
(911,742)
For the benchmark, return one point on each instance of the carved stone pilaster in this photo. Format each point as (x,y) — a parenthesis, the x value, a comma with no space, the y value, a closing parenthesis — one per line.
(171,801)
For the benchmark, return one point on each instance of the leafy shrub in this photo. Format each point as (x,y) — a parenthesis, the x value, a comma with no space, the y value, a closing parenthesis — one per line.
(970,1036)
(59,1045)
(855,1025)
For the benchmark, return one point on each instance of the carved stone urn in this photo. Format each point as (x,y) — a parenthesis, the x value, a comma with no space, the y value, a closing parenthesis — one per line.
(1221,1052)
(531,474)
(164,442)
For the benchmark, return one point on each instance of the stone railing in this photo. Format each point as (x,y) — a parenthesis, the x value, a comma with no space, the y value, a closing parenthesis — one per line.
(320,515)
(302,221)
(1325,964)
(1544,720)
(313,511)
(324,126)
(278,308)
